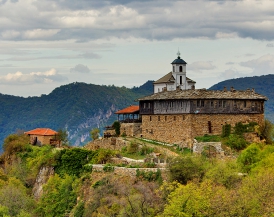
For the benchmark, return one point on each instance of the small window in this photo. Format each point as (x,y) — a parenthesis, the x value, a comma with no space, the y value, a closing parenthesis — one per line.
(181,79)
(211,103)
(224,104)
(174,118)
(173,68)
(148,105)
(183,117)
(245,104)
(180,68)
(159,118)
(150,118)
(165,118)
(202,103)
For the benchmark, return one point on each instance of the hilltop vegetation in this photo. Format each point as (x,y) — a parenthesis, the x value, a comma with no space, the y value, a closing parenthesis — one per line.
(76,107)
(262,84)
(194,186)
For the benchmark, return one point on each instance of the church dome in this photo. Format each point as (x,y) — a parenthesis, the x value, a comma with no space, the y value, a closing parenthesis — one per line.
(179,61)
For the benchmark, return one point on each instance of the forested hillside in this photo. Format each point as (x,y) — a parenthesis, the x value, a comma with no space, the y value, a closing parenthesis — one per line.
(76,107)
(262,84)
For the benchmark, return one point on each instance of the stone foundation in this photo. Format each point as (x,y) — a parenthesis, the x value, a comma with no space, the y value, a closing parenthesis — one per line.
(130,129)
(181,129)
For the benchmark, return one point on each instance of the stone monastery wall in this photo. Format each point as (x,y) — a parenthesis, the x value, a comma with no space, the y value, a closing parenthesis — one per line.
(183,128)
(131,129)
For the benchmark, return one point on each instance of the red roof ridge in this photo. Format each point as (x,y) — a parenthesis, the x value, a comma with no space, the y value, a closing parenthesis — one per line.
(42,131)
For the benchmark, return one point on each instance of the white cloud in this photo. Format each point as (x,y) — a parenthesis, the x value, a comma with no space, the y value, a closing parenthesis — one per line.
(230,73)
(18,78)
(201,65)
(261,66)
(40,33)
(80,68)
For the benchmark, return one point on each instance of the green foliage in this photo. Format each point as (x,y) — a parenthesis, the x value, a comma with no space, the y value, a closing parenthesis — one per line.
(146,150)
(208,138)
(15,143)
(149,165)
(15,198)
(236,141)
(132,148)
(79,209)
(103,156)
(224,173)
(59,197)
(184,169)
(63,136)
(249,157)
(226,130)
(73,161)
(116,125)
(108,168)
(94,133)
(268,131)
(149,176)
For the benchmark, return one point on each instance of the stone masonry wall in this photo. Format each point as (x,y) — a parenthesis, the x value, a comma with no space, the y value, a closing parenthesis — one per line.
(131,129)
(124,171)
(113,143)
(183,128)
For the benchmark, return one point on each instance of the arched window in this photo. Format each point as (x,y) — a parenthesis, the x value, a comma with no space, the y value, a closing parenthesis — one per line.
(180,68)
(173,68)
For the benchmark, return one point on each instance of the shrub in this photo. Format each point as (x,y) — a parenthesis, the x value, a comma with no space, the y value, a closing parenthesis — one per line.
(116,125)
(184,169)
(108,168)
(149,176)
(72,161)
(226,130)
(235,141)
(132,148)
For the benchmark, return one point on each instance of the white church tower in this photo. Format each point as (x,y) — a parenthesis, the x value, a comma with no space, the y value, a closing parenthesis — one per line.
(176,79)
(179,72)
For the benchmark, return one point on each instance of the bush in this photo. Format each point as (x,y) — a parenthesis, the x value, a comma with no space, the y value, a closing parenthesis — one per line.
(226,130)
(235,141)
(108,168)
(149,176)
(73,161)
(15,143)
(132,148)
(184,169)
(116,125)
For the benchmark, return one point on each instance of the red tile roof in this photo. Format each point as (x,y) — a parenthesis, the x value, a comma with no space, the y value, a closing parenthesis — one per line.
(42,131)
(129,110)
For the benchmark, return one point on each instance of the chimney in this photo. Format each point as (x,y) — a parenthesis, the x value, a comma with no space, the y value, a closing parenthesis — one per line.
(193,87)
(253,90)
(231,89)
(225,89)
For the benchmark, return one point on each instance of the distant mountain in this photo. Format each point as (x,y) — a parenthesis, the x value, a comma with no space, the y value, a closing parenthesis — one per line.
(262,84)
(77,107)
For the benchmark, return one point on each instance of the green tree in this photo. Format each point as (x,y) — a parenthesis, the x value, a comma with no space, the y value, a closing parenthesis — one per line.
(184,169)
(116,125)
(268,131)
(63,136)
(58,198)
(249,157)
(94,133)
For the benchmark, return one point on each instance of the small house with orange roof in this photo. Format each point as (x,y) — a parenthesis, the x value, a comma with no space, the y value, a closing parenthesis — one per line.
(43,136)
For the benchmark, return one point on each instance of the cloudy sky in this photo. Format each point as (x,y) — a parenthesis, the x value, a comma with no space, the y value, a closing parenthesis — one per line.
(48,43)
